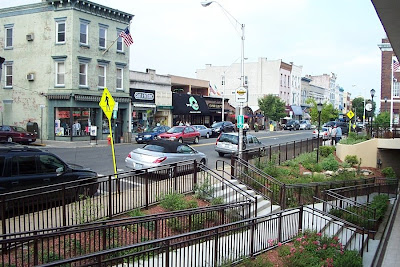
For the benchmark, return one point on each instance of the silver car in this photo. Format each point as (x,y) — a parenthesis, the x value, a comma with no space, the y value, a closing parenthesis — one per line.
(203,130)
(227,143)
(161,152)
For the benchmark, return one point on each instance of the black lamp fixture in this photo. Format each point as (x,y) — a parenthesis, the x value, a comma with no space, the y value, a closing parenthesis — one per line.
(372,114)
(319,108)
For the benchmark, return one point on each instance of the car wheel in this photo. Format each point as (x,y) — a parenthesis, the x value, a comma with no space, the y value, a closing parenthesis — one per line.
(196,140)
(208,135)
(155,137)
(9,139)
(203,161)
(180,140)
(221,154)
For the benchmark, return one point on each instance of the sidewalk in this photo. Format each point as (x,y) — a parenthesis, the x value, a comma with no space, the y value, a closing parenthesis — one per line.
(391,253)
(69,144)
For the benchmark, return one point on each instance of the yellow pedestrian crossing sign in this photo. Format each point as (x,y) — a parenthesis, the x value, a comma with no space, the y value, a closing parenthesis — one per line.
(350,114)
(107,103)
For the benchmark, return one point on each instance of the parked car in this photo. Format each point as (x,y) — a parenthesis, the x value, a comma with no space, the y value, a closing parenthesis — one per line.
(227,143)
(182,134)
(292,125)
(161,152)
(203,130)
(151,134)
(222,127)
(323,133)
(24,168)
(305,125)
(16,134)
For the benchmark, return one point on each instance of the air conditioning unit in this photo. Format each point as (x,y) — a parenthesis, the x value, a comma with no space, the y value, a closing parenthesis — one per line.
(29,37)
(30,77)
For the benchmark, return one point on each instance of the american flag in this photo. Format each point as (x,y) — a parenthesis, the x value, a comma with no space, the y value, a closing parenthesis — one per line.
(126,35)
(212,89)
(396,64)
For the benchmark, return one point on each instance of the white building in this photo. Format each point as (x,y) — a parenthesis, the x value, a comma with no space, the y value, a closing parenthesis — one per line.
(261,78)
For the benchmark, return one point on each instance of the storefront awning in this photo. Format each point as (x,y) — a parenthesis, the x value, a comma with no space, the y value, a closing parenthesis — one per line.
(185,104)
(297,111)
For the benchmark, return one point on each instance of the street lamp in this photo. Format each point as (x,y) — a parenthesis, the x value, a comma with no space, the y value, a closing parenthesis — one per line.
(372,115)
(206,4)
(319,108)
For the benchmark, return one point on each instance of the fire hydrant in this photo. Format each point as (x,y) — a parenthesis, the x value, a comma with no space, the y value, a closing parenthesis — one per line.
(109,140)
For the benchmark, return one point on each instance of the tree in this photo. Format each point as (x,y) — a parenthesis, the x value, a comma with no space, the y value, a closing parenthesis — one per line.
(383,119)
(328,113)
(272,107)
(358,106)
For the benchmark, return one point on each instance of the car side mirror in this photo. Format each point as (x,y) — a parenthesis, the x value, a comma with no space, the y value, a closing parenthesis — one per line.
(60,170)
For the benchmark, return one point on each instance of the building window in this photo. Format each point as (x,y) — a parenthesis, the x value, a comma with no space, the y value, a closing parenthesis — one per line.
(8,73)
(60,73)
(102,36)
(120,76)
(60,31)
(396,89)
(120,47)
(83,74)
(102,76)
(9,30)
(84,32)
(281,79)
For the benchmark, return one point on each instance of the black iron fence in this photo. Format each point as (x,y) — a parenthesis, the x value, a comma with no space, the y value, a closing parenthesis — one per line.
(225,244)
(42,246)
(383,130)
(69,204)
(281,152)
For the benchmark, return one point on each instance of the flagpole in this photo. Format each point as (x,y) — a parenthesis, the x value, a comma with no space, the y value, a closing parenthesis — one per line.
(391,96)
(108,48)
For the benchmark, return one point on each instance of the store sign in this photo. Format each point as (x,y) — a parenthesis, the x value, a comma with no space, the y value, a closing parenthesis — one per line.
(189,104)
(214,105)
(141,95)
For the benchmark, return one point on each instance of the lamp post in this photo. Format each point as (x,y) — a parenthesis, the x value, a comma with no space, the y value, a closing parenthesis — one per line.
(372,114)
(206,4)
(319,108)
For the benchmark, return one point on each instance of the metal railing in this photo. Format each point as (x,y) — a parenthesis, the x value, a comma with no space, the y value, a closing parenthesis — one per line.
(34,247)
(68,204)
(383,130)
(253,178)
(229,243)
(281,152)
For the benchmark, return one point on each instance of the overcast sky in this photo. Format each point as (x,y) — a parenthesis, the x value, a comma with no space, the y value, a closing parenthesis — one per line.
(179,36)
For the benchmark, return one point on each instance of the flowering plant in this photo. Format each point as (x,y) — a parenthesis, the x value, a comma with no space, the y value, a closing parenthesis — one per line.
(315,249)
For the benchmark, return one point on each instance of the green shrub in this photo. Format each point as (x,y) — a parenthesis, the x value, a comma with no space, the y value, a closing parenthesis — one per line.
(351,159)
(197,222)
(380,203)
(175,201)
(175,224)
(353,138)
(217,201)
(389,172)
(326,150)
(205,190)
(330,163)
(349,258)
(136,213)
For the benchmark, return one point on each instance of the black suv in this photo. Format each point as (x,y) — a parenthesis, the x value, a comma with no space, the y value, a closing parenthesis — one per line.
(343,125)
(222,126)
(26,168)
(292,125)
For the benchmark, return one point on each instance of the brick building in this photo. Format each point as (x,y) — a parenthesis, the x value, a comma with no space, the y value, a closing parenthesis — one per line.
(387,83)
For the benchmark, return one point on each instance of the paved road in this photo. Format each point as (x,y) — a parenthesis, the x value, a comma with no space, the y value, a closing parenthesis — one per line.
(99,158)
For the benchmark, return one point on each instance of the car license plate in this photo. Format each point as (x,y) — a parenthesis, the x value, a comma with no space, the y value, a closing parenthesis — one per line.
(140,139)
(30,140)
(138,166)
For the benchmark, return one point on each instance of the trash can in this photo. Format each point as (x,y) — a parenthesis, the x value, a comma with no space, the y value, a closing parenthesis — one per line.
(32,127)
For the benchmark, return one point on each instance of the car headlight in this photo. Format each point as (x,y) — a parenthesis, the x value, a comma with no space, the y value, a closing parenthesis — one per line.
(172,138)
(147,136)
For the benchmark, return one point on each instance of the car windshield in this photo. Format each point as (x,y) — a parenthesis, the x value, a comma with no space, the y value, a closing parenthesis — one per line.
(154,129)
(175,130)
(18,129)
(229,138)
(217,124)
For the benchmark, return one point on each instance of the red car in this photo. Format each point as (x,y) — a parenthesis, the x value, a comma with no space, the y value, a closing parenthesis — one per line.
(16,134)
(182,134)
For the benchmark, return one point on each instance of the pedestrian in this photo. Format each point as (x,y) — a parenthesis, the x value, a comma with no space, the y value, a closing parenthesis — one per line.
(338,134)
(333,135)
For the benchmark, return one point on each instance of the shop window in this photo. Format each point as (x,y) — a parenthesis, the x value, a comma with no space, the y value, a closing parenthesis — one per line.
(73,121)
